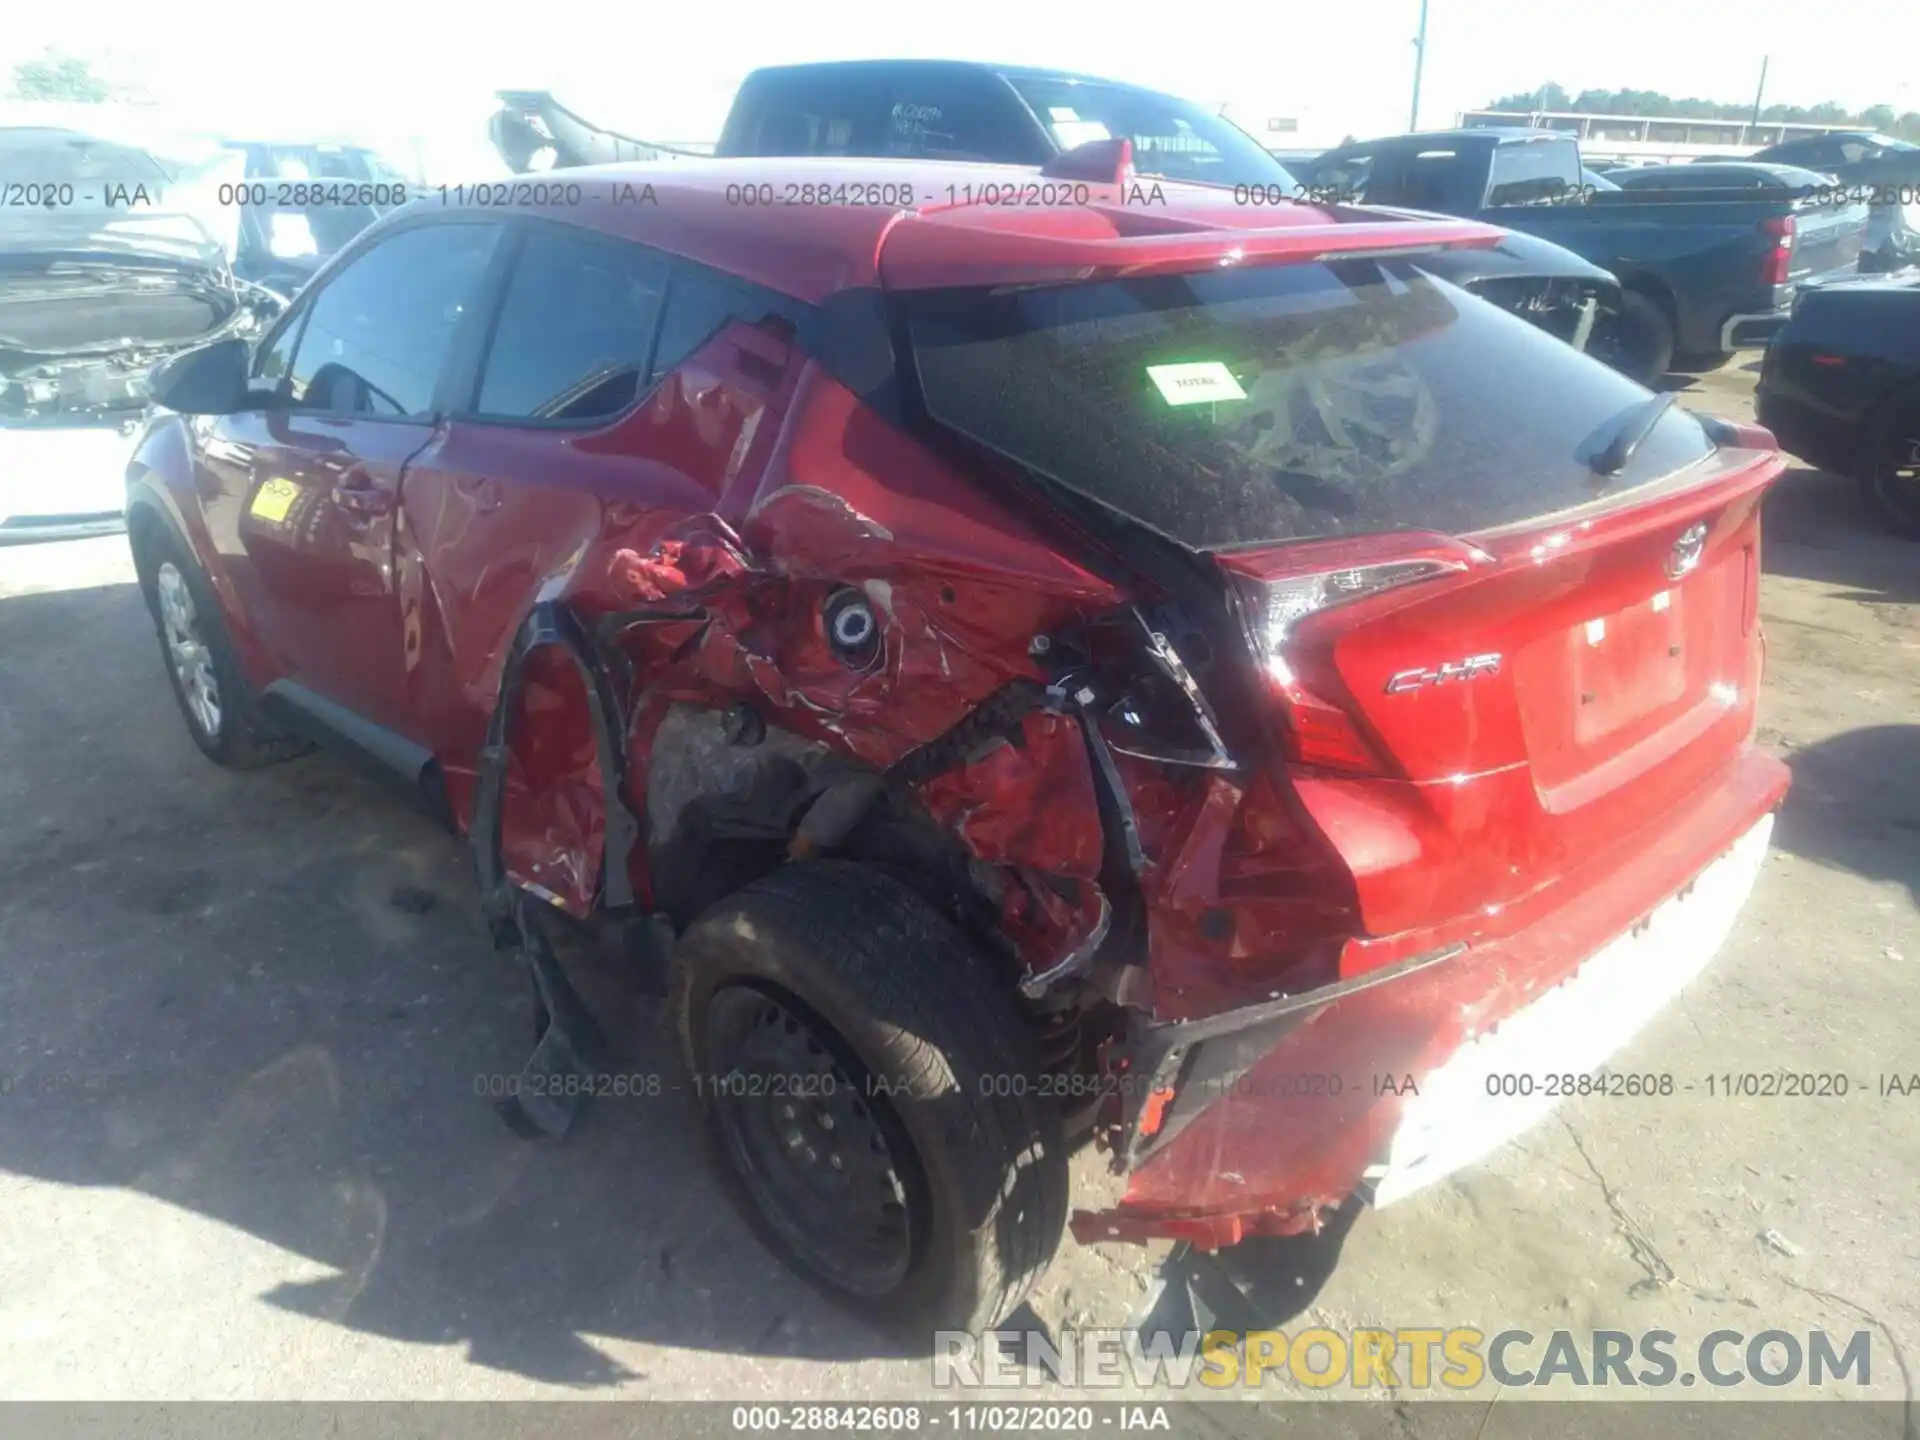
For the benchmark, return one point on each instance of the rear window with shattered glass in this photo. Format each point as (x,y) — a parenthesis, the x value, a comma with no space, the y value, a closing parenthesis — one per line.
(1285,402)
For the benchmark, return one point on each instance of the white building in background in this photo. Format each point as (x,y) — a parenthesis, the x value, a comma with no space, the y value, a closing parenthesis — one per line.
(1650,139)
(1308,127)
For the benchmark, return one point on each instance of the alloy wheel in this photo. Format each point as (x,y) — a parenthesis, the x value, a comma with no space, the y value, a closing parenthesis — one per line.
(187,649)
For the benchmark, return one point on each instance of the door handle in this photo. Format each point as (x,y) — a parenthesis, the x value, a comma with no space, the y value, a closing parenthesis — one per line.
(358,492)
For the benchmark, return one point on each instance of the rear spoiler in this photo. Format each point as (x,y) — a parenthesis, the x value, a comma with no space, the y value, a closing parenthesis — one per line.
(945,247)
(531,121)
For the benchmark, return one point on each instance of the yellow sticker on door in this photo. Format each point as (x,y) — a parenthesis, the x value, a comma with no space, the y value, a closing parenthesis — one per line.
(273,500)
(1196,383)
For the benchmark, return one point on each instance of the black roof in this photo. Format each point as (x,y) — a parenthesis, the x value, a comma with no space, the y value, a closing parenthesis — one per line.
(1786,176)
(1472,134)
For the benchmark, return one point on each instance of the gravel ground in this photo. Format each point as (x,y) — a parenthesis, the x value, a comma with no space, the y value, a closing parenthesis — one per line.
(242,1019)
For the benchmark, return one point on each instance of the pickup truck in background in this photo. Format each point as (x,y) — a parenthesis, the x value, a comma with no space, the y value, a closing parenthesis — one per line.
(1707,269)
(1886,173)
(968,111)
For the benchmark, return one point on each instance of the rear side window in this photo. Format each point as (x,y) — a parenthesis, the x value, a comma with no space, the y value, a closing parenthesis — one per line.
(1285,402)
(809,114)
(1533,173)
(1427,181)
(574,331)
(1420,180)
(700,304)
(1699,177)
(378,333)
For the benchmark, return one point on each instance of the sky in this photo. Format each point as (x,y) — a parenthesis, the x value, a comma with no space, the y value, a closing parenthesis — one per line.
(667,72)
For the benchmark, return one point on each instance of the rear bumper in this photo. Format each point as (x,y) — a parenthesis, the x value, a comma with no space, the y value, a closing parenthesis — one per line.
(1384,1089)
(1751,330)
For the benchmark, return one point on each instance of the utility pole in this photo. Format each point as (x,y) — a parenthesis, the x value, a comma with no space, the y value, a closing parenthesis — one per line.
(1419,63)
(1763,88)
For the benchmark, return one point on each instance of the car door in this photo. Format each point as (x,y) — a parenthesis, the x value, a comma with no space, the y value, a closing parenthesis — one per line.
(619,395)
(306,488)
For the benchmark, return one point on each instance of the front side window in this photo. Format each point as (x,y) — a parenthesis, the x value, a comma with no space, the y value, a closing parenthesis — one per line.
(957,116)
(1344,176)
(273,361)
(575,329)
(379,332)
(1285,401)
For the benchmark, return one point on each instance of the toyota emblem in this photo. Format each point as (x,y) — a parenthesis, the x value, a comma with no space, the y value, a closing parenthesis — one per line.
(1687,550)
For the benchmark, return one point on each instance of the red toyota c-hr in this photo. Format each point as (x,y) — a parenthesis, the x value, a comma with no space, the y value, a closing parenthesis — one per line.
(1064,657)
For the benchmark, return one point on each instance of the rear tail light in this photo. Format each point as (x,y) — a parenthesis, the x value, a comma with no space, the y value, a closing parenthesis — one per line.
(1274,598)
(1773,269)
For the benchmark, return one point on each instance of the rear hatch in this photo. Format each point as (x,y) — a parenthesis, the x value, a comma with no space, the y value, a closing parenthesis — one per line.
(1503,603)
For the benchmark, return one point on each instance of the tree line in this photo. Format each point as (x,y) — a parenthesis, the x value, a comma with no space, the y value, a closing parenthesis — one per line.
(1651,102)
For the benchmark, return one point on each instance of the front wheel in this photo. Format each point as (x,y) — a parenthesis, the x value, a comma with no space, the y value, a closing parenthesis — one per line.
(1889,469)
(213,695)
(871,1092)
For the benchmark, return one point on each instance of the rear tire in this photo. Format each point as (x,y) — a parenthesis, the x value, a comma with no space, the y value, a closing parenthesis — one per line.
(825,1008)
(1888,471)
(214,698)
(1641,344)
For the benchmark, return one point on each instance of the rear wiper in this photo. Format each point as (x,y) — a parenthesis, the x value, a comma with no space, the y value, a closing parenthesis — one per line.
(1638,425)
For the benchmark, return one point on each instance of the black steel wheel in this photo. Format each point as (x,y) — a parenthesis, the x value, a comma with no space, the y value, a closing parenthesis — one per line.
(873,1097)
(804,1127)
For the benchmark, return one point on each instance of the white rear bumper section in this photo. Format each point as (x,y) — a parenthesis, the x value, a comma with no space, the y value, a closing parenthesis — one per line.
(1573,1029)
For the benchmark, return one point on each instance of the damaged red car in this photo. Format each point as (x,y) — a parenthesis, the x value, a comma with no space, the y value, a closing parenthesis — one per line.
(1065,659)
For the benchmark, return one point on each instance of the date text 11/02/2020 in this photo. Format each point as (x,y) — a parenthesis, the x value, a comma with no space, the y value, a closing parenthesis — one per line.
(648,1085)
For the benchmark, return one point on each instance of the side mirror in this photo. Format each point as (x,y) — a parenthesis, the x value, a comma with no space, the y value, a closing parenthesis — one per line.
(207,380)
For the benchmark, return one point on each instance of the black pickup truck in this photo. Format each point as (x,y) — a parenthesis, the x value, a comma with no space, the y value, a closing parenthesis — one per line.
(963,110)
(1707,269)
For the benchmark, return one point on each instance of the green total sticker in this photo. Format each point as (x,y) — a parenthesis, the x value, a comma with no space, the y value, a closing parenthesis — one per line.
(1196,383)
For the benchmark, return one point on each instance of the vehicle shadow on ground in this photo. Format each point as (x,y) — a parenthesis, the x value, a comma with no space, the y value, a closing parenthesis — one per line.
(1855,804)
(1264,1283)
(1819,528)
(268,999)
